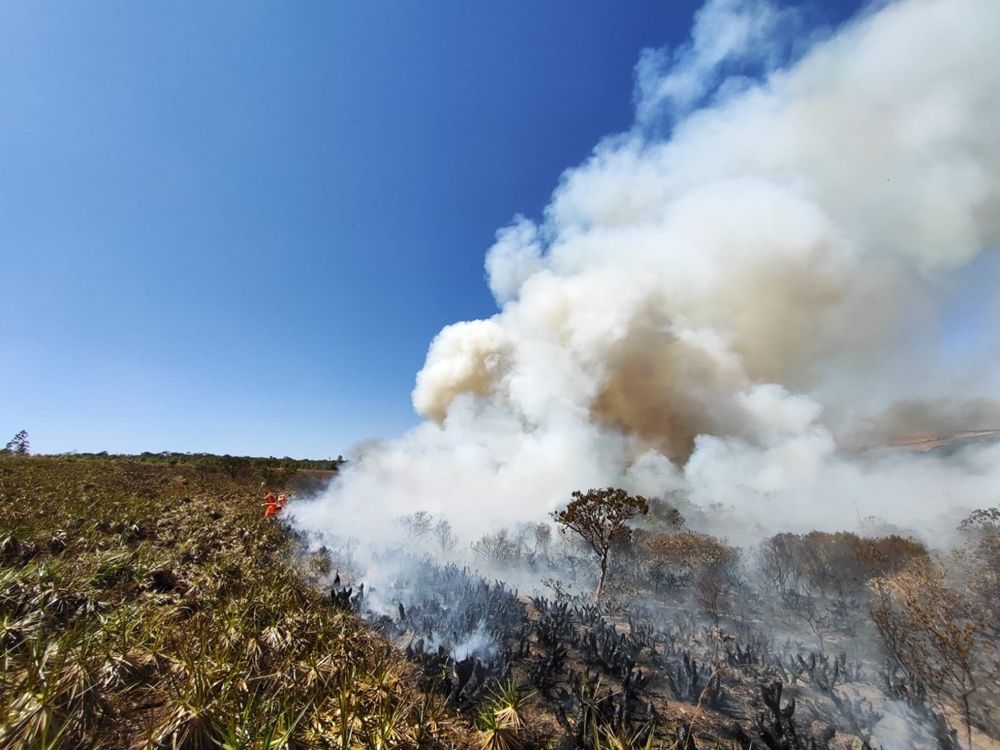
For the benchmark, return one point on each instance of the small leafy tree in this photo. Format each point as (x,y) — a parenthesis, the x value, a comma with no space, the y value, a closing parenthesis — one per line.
(235,466)
(19,444)
(600,518)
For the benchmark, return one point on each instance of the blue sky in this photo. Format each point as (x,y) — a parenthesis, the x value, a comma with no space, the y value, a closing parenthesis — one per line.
(235,227)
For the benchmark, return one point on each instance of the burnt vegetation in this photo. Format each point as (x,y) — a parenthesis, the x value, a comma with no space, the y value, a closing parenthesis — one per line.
(149,605)
(635,631)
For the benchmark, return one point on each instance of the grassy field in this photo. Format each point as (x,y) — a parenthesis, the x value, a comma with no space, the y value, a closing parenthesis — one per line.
(150,605)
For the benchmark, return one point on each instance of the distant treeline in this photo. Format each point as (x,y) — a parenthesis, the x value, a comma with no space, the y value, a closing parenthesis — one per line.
(233,465)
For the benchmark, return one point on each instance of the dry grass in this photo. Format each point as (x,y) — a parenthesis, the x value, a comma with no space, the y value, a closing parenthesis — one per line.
(152,606)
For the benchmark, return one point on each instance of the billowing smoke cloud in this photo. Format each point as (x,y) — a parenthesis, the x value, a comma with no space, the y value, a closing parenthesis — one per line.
(704,312)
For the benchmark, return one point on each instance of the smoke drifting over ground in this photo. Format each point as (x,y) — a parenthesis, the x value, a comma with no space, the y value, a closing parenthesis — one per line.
(708,311)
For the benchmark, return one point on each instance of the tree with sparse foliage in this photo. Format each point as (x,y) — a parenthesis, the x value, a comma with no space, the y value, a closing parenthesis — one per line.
(235,466)
(941,636)
(444,536)
(19,445)
(498,547)
(600,518)
(416,525)
(543,538)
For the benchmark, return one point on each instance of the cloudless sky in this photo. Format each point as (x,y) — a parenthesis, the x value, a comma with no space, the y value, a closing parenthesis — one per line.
(236,226)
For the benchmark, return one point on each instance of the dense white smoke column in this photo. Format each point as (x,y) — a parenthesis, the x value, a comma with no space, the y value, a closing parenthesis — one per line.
(695,312)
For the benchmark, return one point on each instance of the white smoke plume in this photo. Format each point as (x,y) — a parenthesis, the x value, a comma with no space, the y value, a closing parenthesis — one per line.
(707,311)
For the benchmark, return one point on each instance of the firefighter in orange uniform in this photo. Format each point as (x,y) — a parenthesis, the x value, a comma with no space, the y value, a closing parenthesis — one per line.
(271,506)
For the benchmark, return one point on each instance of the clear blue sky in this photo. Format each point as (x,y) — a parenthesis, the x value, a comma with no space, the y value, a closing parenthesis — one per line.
(236,226)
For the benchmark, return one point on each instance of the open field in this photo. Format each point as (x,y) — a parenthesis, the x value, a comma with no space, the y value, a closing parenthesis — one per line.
(149,605)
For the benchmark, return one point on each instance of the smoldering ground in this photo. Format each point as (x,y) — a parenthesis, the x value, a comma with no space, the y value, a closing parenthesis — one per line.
(688,624)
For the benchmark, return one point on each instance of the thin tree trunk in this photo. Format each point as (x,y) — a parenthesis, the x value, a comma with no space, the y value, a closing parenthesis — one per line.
(600,581)
(968,719)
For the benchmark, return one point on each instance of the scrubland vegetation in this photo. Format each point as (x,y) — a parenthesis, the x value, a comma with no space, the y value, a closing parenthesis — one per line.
(644,632)
(149,605)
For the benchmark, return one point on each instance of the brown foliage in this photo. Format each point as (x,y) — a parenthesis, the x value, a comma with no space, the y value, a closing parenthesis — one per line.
(599,517)
(708,564)
(938,635)
(688,550)
(840,564)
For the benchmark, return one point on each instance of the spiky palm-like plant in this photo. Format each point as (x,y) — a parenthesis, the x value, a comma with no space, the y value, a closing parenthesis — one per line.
(509,703)
(496,734)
